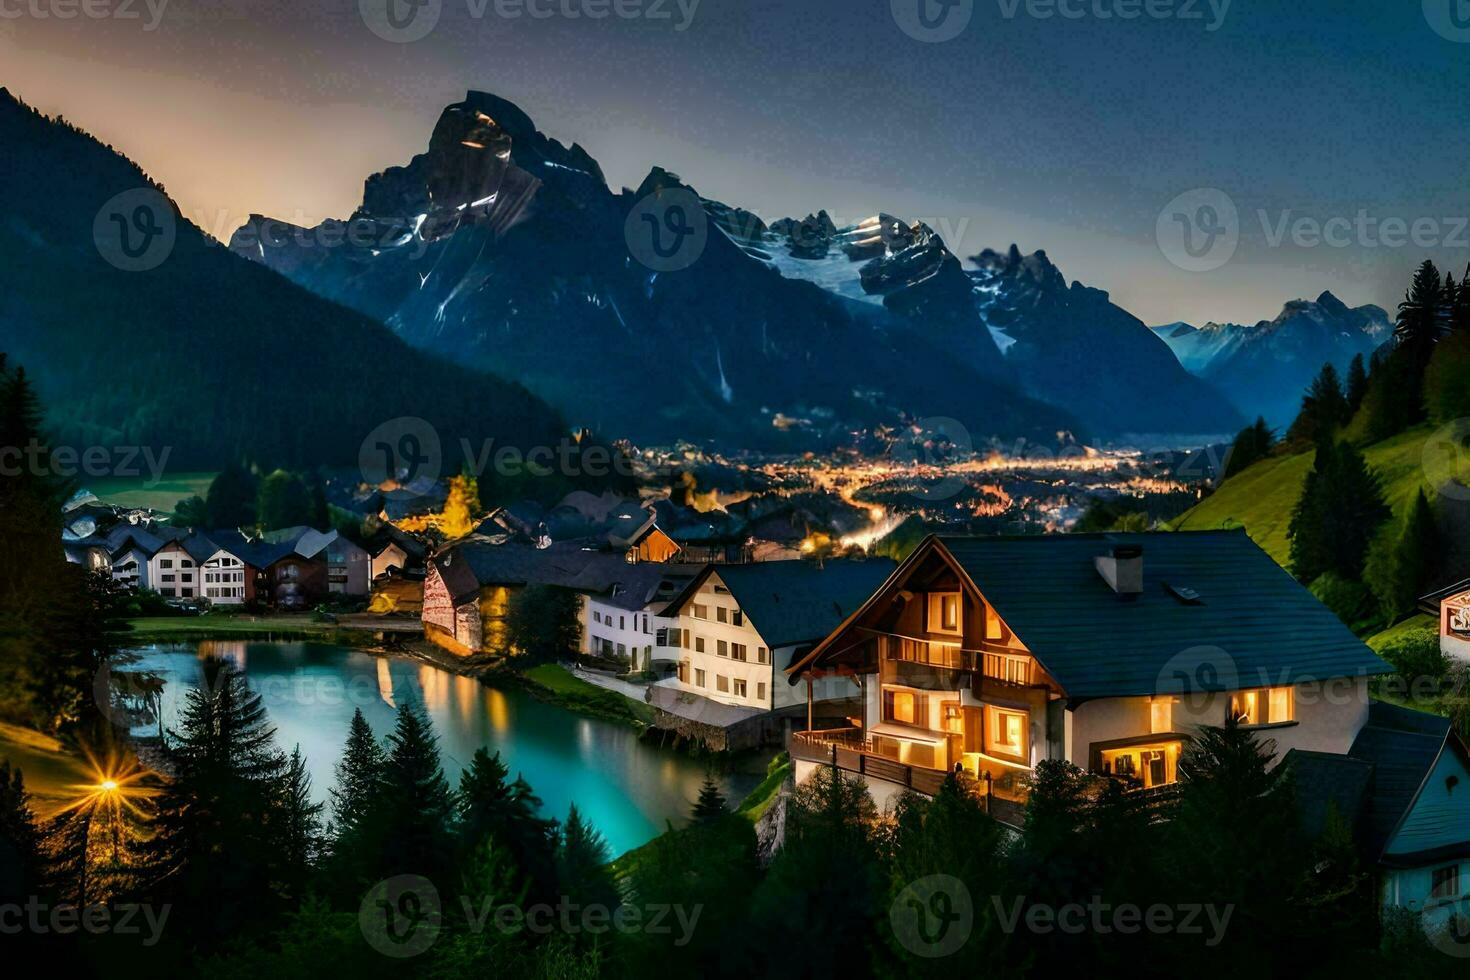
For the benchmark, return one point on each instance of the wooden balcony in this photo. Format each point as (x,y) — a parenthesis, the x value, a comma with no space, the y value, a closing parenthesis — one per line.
(993,662)
(1003,789)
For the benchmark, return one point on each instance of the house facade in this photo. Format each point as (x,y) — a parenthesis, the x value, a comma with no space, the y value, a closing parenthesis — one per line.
(173,571)
(1417,822)
(739,626)
(469,586)
(225,579)
(990,655)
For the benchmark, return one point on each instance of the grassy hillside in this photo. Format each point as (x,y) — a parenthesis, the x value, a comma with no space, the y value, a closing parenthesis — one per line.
(1262,497)
(128,491)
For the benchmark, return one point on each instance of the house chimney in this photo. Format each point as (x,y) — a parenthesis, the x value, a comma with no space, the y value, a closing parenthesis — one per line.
(1123,569)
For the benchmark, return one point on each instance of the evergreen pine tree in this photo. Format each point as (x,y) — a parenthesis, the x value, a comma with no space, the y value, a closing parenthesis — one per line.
(297,824)
(418,805)
(23,865)
(359,778)
(711,804)
(1310,554)
(581,864)
(1460,308)
(1234,837)
(1356,509)
(1252,444)
(1423,315)
(491,807)
(214,854)
(1399,566)
(1357,385)
(1324,409)
(1337,516)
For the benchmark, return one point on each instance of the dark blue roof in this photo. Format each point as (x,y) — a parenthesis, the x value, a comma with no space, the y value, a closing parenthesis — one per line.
(1402,744)
(798,601)
(1326,782)
(1253,624)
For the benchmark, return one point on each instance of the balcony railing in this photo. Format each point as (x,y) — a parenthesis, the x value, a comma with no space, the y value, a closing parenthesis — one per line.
(999,665)
(1004,789)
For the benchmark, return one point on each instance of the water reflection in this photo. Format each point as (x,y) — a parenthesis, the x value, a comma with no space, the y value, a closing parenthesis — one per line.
(628,788)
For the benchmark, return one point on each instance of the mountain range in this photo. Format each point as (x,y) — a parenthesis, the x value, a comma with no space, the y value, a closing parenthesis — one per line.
(1263,369)
(505,250)
(142,331)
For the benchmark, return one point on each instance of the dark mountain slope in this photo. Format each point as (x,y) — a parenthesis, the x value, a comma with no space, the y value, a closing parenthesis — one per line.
(212,356)
(504,249)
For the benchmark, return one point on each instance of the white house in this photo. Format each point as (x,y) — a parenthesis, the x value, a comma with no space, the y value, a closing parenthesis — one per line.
(222,577)
(624,618)
(740,625)
(173,570)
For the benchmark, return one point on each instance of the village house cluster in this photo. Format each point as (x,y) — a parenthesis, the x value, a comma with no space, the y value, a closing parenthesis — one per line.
(979,655)
(989,655)
(290,568)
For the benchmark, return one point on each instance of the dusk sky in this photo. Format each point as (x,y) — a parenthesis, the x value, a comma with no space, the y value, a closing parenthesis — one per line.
(1070,134)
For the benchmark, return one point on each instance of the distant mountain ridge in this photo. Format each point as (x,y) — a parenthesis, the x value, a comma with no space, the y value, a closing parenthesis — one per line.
(502,248)
(214,358)
(1264,368)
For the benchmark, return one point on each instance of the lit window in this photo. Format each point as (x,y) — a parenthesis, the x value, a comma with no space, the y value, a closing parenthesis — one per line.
(1007,732)
(1161,716)
(944,612)
(900,706)
(1263,706)
(993,628)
